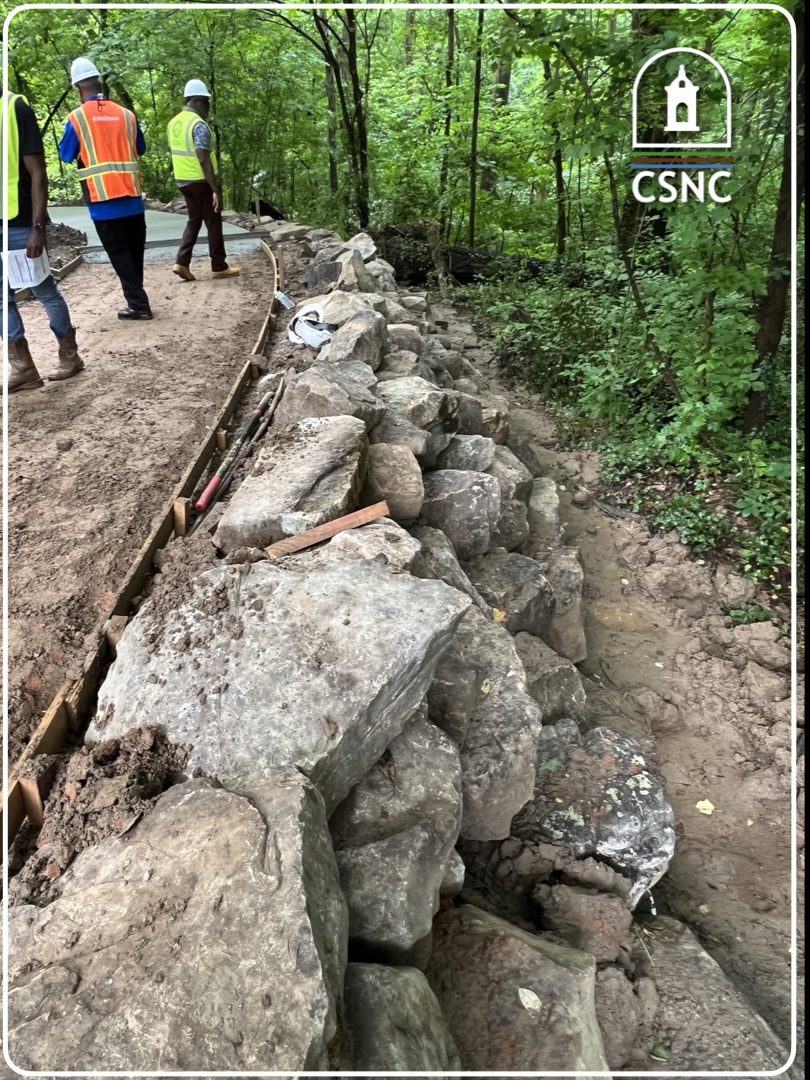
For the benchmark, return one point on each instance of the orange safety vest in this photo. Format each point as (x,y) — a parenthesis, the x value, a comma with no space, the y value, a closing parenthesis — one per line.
(108,140)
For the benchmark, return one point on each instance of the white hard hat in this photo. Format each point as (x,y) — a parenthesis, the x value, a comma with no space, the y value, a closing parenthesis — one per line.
(82,69)
(196,88)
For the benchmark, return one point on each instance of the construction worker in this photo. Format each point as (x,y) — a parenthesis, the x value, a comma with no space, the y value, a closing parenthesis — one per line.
(27,214)
(195,171)
(107,142)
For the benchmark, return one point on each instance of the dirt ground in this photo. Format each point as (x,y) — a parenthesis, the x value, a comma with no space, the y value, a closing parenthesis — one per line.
(93,460)
(666,666)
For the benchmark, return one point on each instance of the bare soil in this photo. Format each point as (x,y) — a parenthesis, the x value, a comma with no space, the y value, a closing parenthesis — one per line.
(666,665)
(93,460)
(64,244)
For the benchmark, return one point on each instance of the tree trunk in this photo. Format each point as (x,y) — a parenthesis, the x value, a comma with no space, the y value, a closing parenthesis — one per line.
(561,229)
(362,194)
(444,175)
(772,309)
(479,33)
(410,33)
(331,129)
(489,180)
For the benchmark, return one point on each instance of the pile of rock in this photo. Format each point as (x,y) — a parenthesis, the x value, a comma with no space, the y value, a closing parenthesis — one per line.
(355,719)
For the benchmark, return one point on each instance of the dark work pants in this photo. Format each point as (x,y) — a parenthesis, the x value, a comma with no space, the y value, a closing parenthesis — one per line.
(124,240)
(200,202)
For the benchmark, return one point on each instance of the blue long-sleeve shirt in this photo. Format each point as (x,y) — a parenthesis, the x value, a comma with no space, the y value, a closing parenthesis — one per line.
(127,205)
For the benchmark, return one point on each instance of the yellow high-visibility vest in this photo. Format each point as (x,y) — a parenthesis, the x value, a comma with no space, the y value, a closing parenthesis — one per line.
(12,207)
(185,162)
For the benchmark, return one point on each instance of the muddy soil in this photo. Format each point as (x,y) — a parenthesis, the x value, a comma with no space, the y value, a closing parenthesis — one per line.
(64,244)
(93,460)
(666,665)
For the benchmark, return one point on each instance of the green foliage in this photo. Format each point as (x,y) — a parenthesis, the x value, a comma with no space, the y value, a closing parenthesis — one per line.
(695,522)
(749,612)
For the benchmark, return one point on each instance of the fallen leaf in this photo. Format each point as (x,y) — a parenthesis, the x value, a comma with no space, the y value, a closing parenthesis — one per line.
(498,615)
(750,822)
(704,807)
(529,1000)
(486,687)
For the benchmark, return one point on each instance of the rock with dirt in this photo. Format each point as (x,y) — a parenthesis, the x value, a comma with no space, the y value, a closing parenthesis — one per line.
(469,413)
(595,922)
(544,513)
(382,542)
(702,1023)
(258,667)
(516,586)
(553,682)
(322,276)
(211,936)
(404,364)
(395,1022)
(406,337)
(394,475)
(513,1000)
(288,231)
(313,476)
(396,430)
(468,453)
(466,507)
(764,686)
(513,476)
(565,632)
(363,337)
(418,401)
(625,1012)
(338,307)
(393,837)
(437,559)
(495,417)
(512,529)
(363,244)
(330,389)
(479,697)
(383,274)
(596,796)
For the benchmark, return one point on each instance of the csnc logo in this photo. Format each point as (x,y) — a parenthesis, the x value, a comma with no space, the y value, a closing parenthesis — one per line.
(692,105)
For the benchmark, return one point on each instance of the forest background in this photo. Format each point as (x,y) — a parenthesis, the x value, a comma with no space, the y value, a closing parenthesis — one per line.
(658,334)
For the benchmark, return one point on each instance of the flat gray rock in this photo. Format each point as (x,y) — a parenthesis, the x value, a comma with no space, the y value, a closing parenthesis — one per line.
(362,337)
(394,475)
(416,400)
(330,389)
(553,682)
(260,667)
(544,512)
(565,632)
(515,585)
(465,506)
(211,936)
(510,472)
(437,559)
(471,453)
(514,1001)
(395,1022)
(312,476)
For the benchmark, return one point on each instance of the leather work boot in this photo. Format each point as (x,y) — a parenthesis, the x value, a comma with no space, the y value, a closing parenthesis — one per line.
(70,363)
(183,272)
(23,374)
(230,272)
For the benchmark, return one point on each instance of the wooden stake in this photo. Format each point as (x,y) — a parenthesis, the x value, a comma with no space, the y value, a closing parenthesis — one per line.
(329,529)
(222,439)
(180,507)
(280,264)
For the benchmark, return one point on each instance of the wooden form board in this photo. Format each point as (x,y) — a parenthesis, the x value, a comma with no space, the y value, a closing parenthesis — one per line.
(23,796)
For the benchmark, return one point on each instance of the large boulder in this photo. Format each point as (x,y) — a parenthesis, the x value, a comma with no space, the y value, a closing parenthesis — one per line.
(401,364)
(396,430)
(393,837)
(363,337)
(394,475)
(395,1023)
(417,400)
(297,483)
(212,935)
(544,513)
(437,559)
(702,1022)
(331,389)
(405,336)
(354,277)
(364,245)
(513,476)
(258,667)
(515,585)
(595,796)
(479,697)
(565,632)
(512,528)
(382,541)
(468,453)
(465,506)
(553,682)
(514,1001)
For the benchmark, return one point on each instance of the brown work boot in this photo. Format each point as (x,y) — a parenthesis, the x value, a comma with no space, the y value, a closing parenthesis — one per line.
(230,272)
(23,374)
(183,272)
(70,363)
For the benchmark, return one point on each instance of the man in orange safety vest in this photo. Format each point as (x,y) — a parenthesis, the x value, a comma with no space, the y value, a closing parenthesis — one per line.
(107,142)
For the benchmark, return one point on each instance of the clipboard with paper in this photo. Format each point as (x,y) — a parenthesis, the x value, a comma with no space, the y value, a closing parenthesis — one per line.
(24,273)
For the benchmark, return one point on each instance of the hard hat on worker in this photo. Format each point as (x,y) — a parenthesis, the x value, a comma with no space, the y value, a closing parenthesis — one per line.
(82,68)
(196,88)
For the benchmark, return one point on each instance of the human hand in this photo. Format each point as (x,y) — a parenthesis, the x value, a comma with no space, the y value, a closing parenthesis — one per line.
(216,202)
(35,245)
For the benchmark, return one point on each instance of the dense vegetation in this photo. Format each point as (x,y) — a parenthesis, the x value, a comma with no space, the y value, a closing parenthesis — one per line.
(660,333)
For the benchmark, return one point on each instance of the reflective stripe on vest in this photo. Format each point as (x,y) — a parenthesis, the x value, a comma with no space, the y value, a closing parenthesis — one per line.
(108,137)
(12,205)
(185,162)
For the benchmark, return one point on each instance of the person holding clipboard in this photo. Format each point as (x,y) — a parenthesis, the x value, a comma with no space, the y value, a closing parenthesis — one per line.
(26,212)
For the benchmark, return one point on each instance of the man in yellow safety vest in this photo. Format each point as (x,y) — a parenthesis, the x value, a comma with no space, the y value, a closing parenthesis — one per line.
(195,170)
(26,214)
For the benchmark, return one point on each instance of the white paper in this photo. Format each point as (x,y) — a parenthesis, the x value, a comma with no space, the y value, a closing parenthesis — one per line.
(23,273)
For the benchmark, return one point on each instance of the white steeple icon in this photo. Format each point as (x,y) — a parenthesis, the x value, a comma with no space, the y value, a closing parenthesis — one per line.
(682,104)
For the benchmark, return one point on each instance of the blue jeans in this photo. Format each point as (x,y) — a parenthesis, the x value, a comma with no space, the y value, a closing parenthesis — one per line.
(47,292)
